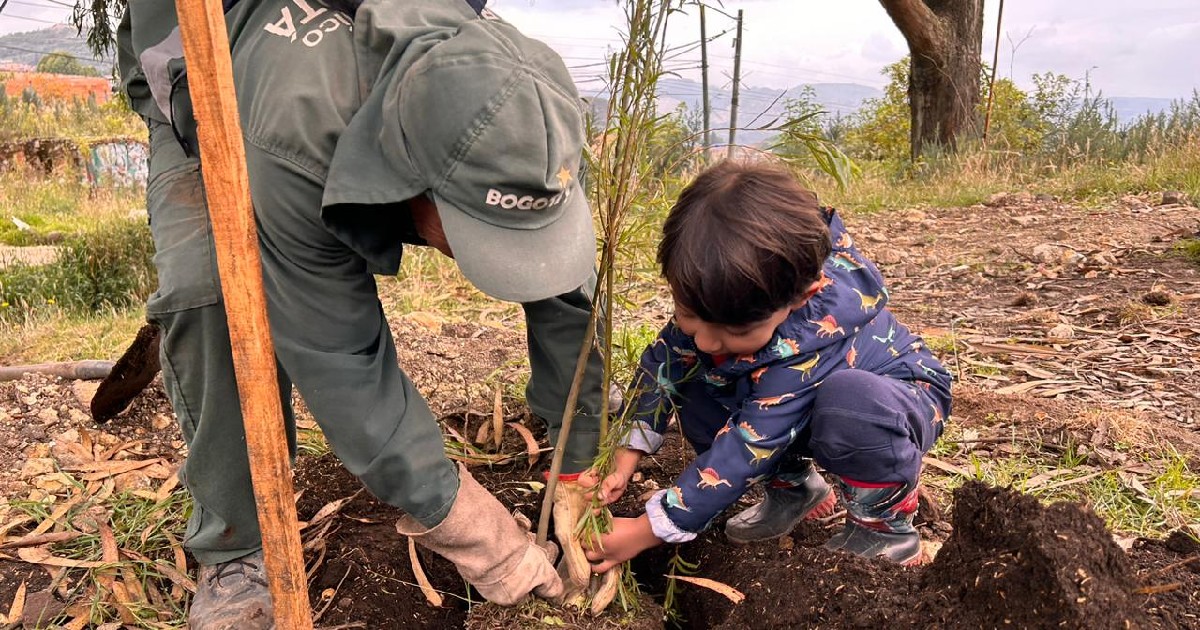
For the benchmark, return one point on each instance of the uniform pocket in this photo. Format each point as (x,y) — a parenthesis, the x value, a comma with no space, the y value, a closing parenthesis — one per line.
(184,254)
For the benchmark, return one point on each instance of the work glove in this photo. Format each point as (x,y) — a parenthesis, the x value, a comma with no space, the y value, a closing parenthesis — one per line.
(491,550)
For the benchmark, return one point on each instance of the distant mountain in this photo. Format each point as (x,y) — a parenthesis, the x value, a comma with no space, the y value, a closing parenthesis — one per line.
(28,48)
(758,106)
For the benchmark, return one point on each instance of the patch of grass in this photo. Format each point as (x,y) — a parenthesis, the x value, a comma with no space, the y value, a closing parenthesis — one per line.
(1189,249)
(55,335)
(974,174)
(1148,505)
(146,574)
(108,267)
(55,207)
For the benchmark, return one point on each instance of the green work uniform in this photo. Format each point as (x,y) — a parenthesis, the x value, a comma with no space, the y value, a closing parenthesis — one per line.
(314,89)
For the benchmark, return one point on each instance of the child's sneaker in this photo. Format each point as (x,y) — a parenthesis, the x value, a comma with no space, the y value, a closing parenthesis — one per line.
(879,522)
(790,499)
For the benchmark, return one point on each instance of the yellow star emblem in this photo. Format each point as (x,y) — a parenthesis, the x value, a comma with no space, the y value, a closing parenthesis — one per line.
(564,176)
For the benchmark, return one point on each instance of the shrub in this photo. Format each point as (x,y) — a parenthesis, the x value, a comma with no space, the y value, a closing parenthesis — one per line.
(109,267)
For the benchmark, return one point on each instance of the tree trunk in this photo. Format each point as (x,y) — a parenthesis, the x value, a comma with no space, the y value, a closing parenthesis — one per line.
(945,39)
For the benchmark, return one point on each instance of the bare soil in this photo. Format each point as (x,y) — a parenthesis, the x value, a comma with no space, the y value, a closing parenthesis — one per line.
(1064,325)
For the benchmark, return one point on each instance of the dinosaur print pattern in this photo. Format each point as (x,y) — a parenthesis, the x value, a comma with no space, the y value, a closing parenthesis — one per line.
(674,499)
(759,409)
(709,478)
(785,348)
(749,434)
(805,369)
(846,262)
(869,302)
(824,282)
(827,326)
(759,455)
(764,403)
(891,336)
(757,375)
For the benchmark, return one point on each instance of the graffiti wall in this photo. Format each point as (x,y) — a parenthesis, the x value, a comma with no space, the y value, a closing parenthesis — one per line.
(118,163)
(107,162)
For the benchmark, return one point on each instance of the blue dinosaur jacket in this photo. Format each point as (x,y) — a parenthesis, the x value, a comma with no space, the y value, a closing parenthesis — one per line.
(770,393)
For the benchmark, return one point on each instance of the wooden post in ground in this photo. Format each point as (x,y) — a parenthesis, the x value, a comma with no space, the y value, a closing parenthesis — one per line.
(210,78)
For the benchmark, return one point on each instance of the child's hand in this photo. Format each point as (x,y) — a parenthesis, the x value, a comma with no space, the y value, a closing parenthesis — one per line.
(613,486)
(606,490)
(628,538)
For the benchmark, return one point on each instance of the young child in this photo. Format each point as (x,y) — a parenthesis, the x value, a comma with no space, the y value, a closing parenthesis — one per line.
(781,352)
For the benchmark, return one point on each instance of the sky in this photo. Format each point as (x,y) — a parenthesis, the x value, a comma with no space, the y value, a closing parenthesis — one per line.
(1145,48)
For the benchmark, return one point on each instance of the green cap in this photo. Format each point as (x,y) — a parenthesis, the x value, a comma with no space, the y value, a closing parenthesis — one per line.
(491,121)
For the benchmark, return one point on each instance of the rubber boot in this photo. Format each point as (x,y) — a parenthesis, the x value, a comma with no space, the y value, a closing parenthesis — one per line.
(232,596)
(791,498)
(879,522)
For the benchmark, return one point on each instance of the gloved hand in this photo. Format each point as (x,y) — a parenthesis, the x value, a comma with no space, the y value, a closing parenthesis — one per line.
(570,506)
(492,551)
(571,503)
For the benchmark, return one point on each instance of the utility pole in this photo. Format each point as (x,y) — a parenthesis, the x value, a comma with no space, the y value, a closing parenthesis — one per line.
(737,79)
(704,83)
(987,120)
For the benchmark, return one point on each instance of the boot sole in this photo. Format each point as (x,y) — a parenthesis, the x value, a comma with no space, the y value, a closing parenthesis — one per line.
(826,508)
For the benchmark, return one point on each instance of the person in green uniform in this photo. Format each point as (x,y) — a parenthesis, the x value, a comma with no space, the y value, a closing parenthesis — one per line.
(427,122)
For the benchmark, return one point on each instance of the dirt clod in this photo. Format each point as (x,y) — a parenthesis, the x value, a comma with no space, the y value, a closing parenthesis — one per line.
(1058,562)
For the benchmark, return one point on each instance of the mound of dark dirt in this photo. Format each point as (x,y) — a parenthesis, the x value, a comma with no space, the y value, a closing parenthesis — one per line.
(1010,562)
(1013,563)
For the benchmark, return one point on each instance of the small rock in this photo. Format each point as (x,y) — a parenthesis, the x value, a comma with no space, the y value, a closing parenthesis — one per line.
(5,416)
(1060,235)
(914,216)
(1024,221)
(1044,198)
(132,480)
(48,416)
(786,543)
(1158,298)
(1025,298)
(888,256)
(161,422)
(52,483)
(1046,253)
(1061,331)
(37,466)
(84,391)
(1173,197)
(997,199)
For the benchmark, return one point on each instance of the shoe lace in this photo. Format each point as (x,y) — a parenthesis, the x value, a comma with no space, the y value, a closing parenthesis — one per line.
(237,566)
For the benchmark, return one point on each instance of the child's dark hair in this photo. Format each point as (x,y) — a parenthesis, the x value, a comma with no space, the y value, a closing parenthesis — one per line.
(743,241)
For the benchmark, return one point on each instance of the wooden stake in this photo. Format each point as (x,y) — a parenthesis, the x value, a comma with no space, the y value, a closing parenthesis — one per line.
(210,75)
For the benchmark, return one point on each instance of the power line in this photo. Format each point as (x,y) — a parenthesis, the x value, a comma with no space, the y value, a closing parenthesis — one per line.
(39,5)
(38,52)
(31,19)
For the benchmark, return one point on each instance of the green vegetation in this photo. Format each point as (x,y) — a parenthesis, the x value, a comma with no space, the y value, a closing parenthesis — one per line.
(145,528)
(105,268)
(63,62)
(30,116)
(1062,138)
